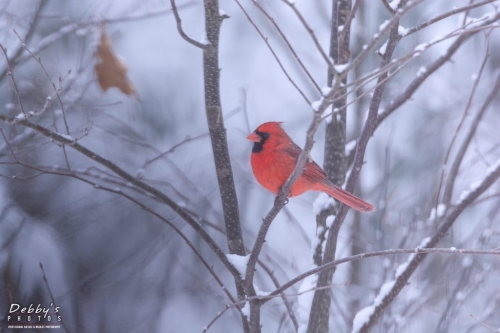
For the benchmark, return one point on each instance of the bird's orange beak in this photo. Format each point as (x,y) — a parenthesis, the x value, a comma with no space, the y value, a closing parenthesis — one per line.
(254,137)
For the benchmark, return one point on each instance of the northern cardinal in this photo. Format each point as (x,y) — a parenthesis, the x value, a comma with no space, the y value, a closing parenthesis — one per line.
(273,159)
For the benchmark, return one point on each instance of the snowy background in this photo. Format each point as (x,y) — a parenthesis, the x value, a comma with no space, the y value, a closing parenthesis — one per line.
(114,267)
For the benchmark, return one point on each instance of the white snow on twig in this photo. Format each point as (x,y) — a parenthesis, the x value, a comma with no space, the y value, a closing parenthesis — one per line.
(259,292)
(340,67)
(383,49)
(363,316)
(67,137)
(239,262)
(20,116)
(246,309)
(322,202)
(394,4)
(474,186)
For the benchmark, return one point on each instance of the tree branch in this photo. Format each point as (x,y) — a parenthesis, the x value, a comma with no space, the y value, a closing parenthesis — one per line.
(365,255)
(69,141)
(181,31)
(452,174)
(218,137)
(402,279)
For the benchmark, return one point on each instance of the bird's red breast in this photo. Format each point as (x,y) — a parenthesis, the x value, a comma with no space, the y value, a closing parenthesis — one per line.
(273,159)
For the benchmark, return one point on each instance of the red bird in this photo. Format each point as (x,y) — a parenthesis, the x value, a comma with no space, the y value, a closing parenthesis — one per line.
(274,156)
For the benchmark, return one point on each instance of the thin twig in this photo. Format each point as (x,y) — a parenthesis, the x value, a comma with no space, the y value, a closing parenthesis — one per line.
(11,74)
(445,15)
(378,37)
(134,181)
(460,124)
(445,57)
(56,90)
(27,38)
(181,32)
(70,173)
(290,47)
(311,33)
(50,292)
(452,174)
(387,6)
(266,40)
(347,25)
(403,277)
(365,255)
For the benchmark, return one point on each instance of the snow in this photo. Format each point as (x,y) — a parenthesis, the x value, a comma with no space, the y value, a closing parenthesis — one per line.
(9,106)
(420,47)
(473,77)
(222,13)
(204,38)
(441,209)
(246,309)
(67,137)
(239,262)
(401,268)
(394,4)
(424,242)
(329,220)
(341,67)
(383,25)
(363,316)
(320,229)
(341,28)
(259,292)
(322,202)
(432,216)
(305,298)
(383,48)
(474,186)
(402,31)
(421,71)
(326,90)
(493,168)
(20,116)
(350,146)
(463,195)
(316,104)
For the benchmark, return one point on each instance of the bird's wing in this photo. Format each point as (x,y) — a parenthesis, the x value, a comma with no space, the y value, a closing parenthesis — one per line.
(312,171)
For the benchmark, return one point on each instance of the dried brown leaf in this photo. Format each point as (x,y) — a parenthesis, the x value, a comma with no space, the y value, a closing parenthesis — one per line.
(110,70)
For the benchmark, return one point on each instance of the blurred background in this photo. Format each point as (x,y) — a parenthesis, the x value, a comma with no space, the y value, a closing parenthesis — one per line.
(112,266)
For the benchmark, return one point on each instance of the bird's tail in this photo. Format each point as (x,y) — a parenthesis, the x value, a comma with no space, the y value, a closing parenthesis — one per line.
(347,198)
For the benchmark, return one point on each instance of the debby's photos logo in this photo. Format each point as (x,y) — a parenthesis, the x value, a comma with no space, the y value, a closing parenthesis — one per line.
(34,316)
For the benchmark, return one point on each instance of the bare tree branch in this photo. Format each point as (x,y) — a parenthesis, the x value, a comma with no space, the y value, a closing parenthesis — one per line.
(445,15)
(266,40)
(68,141)
(361,256)
(290,47)
(403,277)
(218,138)
(27,38)
(452,174)
(181,32)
